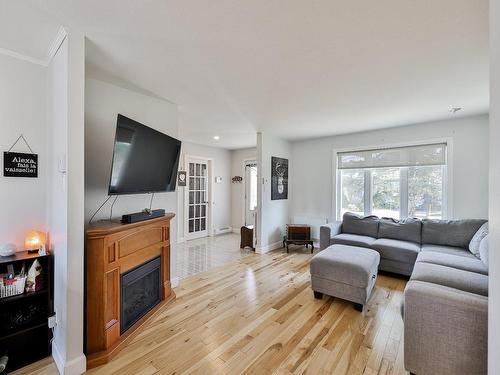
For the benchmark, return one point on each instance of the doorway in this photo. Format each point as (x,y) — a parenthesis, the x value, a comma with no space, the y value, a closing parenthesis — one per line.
(198,198)
(250,191)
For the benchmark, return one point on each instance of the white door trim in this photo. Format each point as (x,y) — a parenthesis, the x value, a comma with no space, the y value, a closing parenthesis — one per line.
(245,187)
(210,186)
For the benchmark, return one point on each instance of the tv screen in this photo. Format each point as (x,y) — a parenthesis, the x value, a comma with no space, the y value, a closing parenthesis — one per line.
(144,160)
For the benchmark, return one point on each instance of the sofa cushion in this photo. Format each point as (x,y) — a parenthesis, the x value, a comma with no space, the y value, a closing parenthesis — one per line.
(352,240)
(448,250)
(405,230)
(484,250)
(477,238)
(396,266)
(402,251)
(363,226)
(471,282)
(453,261)
(456,233)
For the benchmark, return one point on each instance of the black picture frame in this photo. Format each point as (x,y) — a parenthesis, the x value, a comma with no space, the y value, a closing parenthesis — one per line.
(279,178)
(181,178)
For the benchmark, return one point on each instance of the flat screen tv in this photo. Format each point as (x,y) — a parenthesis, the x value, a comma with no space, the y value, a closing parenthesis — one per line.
(144,160)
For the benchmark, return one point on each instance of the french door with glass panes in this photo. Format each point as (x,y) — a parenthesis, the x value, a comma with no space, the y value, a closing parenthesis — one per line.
(198,200)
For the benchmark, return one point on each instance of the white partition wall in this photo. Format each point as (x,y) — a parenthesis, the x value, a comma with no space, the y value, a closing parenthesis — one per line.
(272,215)
(494,281)
(66,85)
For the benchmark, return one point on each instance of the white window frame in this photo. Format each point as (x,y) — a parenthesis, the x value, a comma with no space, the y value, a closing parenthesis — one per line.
(447,209)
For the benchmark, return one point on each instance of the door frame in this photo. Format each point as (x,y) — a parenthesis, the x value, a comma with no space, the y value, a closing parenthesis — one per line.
(210,194)
(244,190)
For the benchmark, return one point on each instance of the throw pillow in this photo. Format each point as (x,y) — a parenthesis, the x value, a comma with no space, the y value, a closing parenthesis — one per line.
(484,250)
(477,238)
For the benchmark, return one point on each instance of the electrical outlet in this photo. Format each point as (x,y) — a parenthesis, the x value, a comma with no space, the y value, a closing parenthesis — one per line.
(52,321)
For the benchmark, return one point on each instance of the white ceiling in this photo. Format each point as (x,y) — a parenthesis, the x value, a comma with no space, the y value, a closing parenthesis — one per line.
(25,30)
(294,68)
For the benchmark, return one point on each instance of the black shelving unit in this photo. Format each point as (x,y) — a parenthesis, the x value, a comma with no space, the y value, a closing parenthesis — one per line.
(24,332)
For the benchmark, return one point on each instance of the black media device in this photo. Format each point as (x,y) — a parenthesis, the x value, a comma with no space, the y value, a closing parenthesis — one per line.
(144,161)
(142,216)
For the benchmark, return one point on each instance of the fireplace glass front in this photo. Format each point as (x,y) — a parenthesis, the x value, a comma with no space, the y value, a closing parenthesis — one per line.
(140,292)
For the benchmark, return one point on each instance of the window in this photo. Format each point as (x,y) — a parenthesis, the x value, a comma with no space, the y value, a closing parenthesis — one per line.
(386,192)
(398,182)
(353,191)
(425,192)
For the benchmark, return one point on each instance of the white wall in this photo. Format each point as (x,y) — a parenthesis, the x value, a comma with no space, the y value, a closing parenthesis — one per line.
(75,360)
(312,165)
(238,158)
(65,103)
(494,136)
(221,194)
(272,216)
(46,105)
(103,101)
(22,110)
(57,116)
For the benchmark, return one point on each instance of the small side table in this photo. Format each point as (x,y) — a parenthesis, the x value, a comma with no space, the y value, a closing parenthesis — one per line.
(247,237)
(298,234)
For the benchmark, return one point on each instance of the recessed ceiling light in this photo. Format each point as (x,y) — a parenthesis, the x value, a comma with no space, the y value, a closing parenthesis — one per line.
(216,137)
(454,110)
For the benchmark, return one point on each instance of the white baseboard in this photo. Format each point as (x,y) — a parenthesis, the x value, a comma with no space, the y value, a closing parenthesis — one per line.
(174,282)
(236,230)
(266,248)
(76,366)
(57,358)
(223,231)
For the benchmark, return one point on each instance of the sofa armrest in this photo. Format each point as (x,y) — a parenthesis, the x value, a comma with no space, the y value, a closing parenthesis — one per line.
(445,330)
(327,231)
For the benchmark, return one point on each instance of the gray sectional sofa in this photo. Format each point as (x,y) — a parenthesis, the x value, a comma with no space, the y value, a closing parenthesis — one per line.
(400,242)
(445,306)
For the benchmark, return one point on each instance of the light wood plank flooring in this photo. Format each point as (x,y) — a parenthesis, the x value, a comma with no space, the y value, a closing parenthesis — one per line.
(258,316)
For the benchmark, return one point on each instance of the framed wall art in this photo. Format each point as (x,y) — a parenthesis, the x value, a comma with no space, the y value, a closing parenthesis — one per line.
(279,178)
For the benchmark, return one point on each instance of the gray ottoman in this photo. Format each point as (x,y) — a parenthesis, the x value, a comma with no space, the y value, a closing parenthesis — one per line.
(346,272)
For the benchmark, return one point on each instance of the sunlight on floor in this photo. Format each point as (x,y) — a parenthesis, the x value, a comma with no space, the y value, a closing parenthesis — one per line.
(203,254)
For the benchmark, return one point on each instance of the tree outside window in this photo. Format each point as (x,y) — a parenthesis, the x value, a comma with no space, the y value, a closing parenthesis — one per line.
(393,192)
(352,191)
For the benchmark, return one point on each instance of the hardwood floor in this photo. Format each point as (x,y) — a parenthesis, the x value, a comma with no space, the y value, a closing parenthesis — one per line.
(258,316)
(44,367)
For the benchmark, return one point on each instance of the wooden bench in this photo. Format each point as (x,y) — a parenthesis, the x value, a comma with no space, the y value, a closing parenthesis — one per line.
(298,234)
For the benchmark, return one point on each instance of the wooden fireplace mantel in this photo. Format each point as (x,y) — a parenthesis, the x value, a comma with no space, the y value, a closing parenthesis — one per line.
(111,250)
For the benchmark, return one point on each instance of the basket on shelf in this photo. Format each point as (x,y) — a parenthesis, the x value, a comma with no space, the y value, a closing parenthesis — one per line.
(12,288)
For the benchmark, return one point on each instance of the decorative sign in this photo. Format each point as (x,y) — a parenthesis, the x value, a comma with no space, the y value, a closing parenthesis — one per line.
(17,164)
(181,178)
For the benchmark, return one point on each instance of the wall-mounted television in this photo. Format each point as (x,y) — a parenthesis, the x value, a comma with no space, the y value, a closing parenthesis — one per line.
(144,160)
